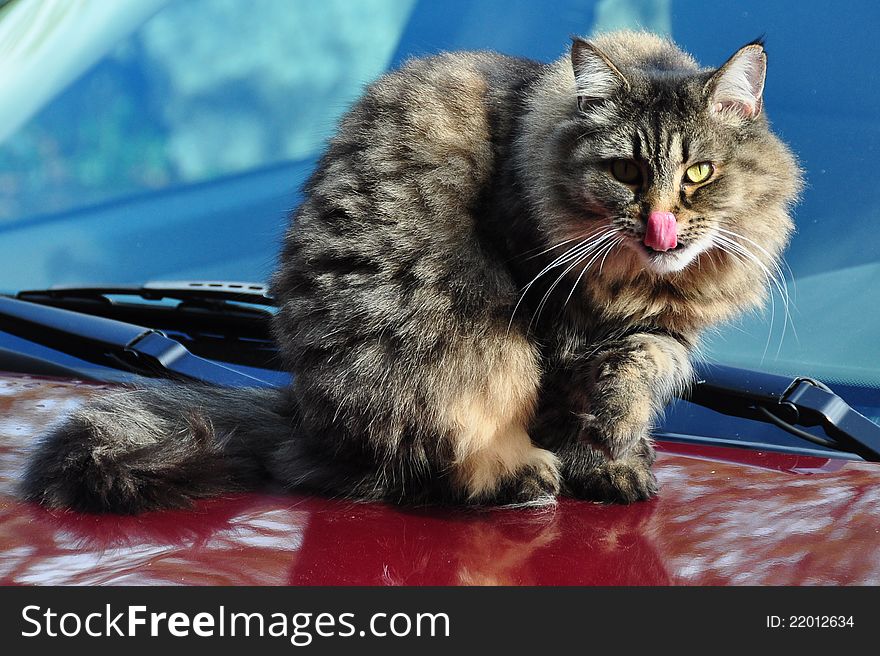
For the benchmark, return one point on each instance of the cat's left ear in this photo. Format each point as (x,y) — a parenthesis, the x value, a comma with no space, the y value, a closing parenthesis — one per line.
(596,77)
(738,86)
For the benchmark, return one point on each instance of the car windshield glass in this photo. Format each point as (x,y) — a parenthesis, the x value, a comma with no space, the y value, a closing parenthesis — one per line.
(170,141)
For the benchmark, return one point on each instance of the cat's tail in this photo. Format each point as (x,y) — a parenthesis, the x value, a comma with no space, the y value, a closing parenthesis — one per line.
(161,446)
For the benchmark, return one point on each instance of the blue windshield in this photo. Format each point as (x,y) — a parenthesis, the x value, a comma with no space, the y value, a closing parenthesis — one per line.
(180,151)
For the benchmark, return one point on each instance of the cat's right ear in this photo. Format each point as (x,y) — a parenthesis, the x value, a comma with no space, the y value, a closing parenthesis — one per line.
(596,77)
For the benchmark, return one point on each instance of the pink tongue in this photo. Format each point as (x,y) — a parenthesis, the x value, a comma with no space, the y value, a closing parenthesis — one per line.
(661,233)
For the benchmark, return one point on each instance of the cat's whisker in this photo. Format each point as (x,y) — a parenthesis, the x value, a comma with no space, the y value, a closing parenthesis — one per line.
(780,276)
(735,253)
(777,280)
(734,246)
(764,251)
(594,247)
(577,252)
(525,254)
(779,273)
(605,249)
(584,254)
(616,244)
(557,262)
(537,315)
(573,253)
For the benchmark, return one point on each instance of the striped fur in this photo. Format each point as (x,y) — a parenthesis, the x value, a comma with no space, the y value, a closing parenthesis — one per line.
(465,301)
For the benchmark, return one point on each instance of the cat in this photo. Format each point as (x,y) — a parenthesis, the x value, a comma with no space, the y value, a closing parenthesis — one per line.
(496,281)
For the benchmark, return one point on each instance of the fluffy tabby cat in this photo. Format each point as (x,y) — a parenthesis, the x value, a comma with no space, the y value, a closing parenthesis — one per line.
(493,286)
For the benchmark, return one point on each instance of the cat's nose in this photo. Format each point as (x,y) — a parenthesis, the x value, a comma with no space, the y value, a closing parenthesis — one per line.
(662,231)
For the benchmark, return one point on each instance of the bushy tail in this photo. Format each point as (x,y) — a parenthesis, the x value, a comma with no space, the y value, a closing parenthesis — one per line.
(159,447)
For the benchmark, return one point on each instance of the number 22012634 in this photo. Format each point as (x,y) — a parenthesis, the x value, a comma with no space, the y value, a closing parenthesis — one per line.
(810,622)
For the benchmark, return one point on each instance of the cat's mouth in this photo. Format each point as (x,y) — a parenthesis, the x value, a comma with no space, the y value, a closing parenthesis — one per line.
(665,261)
(680,246)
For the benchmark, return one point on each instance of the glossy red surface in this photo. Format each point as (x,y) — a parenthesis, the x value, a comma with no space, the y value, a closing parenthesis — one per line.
(724,516)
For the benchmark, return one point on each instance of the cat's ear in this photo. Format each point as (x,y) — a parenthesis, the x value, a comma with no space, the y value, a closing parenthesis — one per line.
(596,77)
(738,86)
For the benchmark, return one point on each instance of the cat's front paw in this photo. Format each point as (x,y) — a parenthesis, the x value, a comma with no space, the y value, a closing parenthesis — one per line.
(618,435)
(614,481)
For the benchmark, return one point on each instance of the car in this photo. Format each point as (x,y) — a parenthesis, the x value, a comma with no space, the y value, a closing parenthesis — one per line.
(141,209)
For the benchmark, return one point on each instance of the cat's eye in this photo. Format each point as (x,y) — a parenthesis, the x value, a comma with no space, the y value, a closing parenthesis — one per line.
(626,171)
(699,172)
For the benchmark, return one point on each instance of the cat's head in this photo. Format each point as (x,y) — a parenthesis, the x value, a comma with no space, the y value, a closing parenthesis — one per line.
(652,165)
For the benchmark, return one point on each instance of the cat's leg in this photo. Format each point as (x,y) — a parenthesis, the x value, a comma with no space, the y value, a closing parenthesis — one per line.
(448,424)
(486,417)
(607,453)
(499,465)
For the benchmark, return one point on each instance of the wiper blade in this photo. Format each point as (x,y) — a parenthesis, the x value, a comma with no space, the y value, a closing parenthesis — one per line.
(788,403)
(183,290)
(219,320)
(239,309)
(114,343)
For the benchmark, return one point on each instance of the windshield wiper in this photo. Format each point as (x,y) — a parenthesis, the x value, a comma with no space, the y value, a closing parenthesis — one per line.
(114,344)
(228,321)
(787,403)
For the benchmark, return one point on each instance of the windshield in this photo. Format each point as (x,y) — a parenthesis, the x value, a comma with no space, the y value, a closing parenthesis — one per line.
(178,140)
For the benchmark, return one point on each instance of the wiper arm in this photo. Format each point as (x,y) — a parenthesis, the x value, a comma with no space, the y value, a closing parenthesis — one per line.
(114,343)
(787,403)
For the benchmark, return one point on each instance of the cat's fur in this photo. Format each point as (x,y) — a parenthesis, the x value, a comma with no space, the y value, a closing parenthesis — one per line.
(422,371)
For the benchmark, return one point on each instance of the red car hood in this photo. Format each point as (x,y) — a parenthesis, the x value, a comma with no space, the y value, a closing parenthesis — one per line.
(724,516)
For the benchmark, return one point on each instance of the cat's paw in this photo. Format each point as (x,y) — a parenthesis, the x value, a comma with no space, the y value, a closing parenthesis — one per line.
(618,435)
(535,484)
(614,481)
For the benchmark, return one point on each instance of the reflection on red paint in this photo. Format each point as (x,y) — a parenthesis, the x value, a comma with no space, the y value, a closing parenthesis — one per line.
(724,516)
